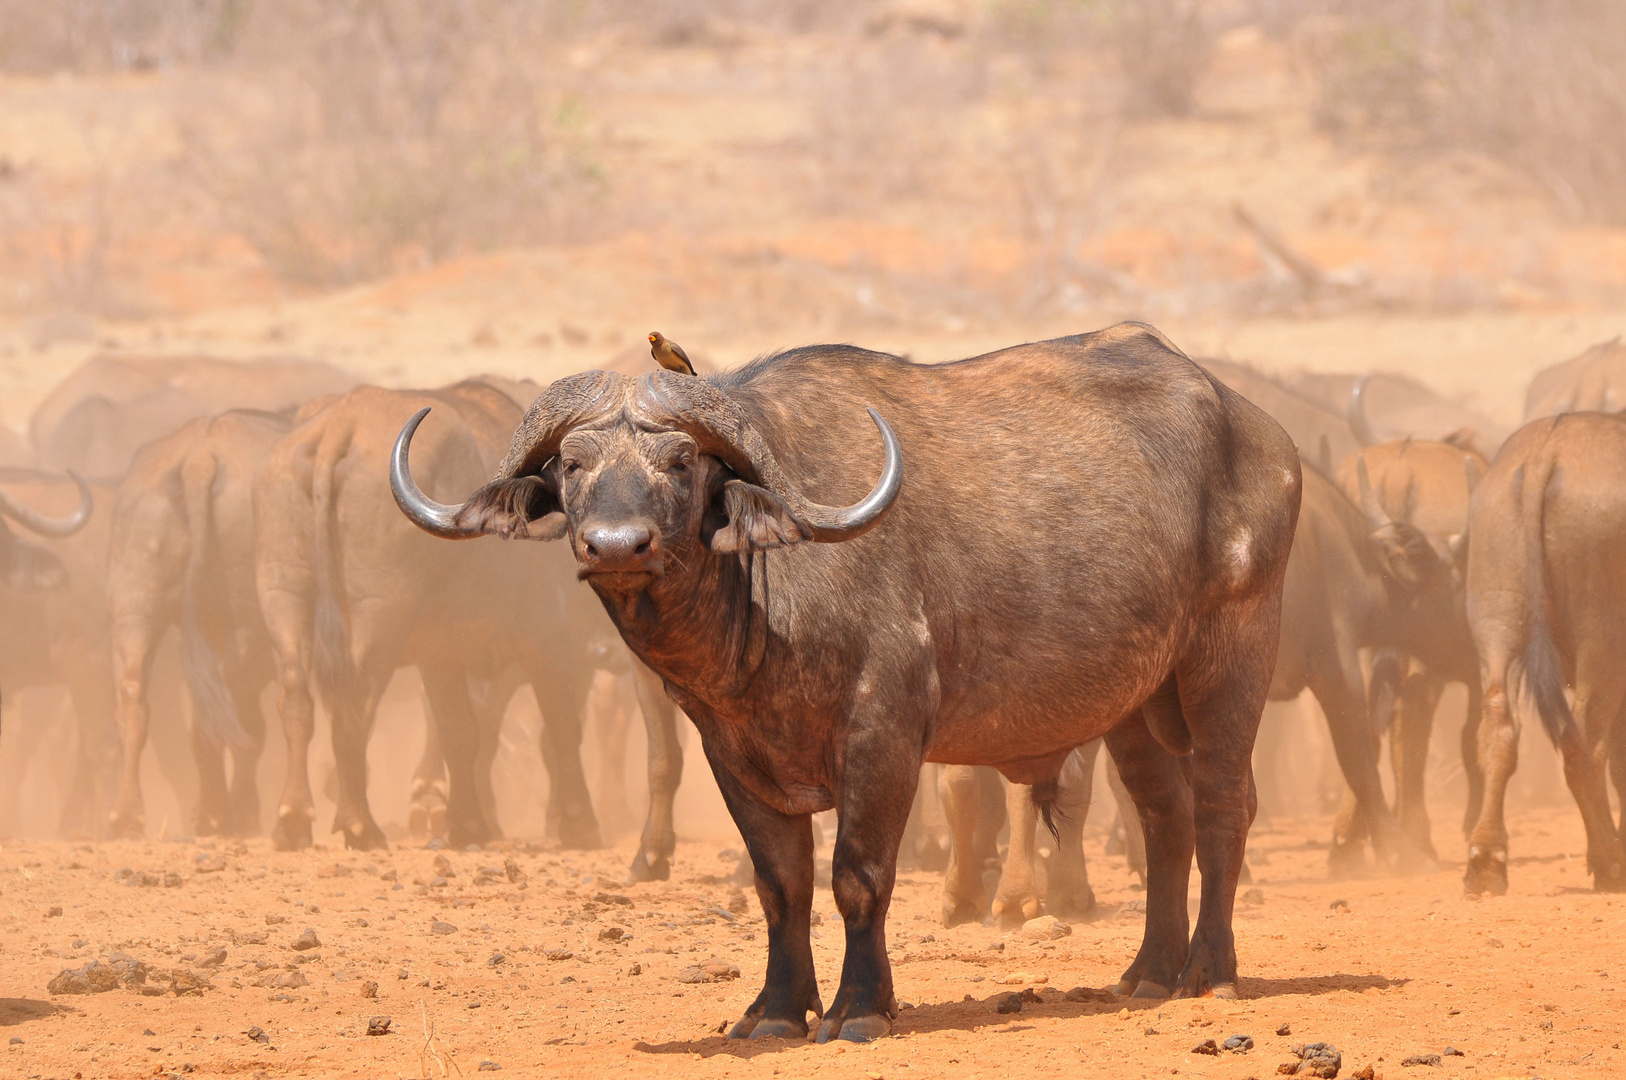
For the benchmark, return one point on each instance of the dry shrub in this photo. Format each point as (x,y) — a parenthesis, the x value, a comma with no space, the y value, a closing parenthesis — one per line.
(1539,86)
(364,134)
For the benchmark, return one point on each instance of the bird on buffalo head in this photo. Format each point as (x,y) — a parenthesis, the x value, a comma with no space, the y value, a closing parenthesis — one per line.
(669,354)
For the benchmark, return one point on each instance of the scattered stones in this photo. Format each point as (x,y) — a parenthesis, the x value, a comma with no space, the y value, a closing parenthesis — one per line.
(1365,1072)
(1254,897)
(285,980)
(1285,1029)
(1239,1044)
(1340,905)
(1044,928)
(1031,995)
(444,867)
(612,933)
(55,912)
(369,989)
(1090,993)
(275,920)
(305,941)
(441,927)
(510,868)
(1022,978)
(257,1034)
(495,958)
(557,954)
(489,1066)
(1451,1051)
(378,1025)
(98,978)
(1421,1059)
(1008,1003)
(213,958)
(712,970)
(1207,1046)
(636,969)
(1315,1059)
(209,862)
(183,982)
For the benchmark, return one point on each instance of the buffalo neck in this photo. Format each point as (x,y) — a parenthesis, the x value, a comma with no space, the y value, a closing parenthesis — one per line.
(702,626)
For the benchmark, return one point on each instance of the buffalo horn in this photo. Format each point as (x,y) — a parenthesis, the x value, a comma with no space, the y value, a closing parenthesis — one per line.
(420,509)
(1376,516)
(831,524)
(1358,422)
(34,521)
(1472,468)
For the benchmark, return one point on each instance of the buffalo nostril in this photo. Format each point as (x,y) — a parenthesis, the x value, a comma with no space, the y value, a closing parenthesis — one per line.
(642,549)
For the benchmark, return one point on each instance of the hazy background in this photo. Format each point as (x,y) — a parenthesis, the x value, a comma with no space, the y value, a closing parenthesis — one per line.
(422,189)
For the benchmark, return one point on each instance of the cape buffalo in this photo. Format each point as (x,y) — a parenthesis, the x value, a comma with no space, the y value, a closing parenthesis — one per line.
(182,554)
(1594,381)
(1090,541)
(1424,485)
(1381,407)
(1546,585)
(1323,435)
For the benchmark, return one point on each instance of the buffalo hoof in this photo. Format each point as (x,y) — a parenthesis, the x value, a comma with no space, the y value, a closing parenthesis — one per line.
(1611,876)
(126,826)
(1146,988)
(1487,871)
(1076,902)
(1399,854)
(292,833)
(752,1028)
(855,1029)
(579,832)
(1346,860)
(646,869)
(208,824)
(959,912)
(363,836)
(1011,912)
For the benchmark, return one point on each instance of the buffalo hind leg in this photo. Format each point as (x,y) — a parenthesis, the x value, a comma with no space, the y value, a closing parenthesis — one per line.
(1584,744)
(560,683)
(1157,782)
(1016,900)
(427,816)
(653,861)
(132,663)
(964,898)
(1499,757)
(1408,752)
(780,847)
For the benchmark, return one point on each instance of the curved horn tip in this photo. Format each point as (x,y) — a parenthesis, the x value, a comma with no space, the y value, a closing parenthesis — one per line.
(1359,425)
(846,523)
(56,528)
(1376,516)
(432,517)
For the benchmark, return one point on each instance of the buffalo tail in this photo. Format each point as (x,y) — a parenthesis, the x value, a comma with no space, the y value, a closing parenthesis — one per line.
(213,705)
(1543,669)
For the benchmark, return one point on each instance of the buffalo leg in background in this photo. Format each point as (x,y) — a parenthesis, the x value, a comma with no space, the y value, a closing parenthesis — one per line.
(780,847)
(1471,768)
(1408,752)
(1158,783)
(1016,899)
(134,640)
(427,817)
(561,685)
(964,896)
(1067,890)
(1129,820)
(452,712)
(653,860)
(96,765)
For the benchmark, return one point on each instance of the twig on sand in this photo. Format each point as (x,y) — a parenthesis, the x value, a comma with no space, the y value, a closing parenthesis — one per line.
(429,1053)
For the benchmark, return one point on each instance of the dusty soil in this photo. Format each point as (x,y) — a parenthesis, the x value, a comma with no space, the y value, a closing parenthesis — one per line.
(1523,985)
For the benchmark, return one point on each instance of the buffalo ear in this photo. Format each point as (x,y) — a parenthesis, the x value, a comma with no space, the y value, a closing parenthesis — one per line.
(1407,554)
(30,567)
(524,508)
(755,519)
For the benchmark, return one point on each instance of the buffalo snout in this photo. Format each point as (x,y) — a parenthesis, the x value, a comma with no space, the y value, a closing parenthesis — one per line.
(627,547)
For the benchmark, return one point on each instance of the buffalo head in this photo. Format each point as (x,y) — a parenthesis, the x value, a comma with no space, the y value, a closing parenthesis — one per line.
(641,474)
(27,566)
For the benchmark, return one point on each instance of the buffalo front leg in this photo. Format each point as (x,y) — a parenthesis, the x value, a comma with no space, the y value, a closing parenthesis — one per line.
(560,683)
(964,898)
(781,850)
(1408,750)
(1134,836)
(876,790)
(653,861)
(1156,781)
(427,816)
(132,666)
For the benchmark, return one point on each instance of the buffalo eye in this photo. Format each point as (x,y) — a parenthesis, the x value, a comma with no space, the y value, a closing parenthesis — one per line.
(572,467)
(679,467)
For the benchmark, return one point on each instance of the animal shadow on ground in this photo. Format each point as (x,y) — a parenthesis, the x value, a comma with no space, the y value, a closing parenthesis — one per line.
(21,1010)
(975,1015)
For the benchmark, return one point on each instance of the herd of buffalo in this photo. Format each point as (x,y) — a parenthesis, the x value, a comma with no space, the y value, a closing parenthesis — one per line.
(843,566)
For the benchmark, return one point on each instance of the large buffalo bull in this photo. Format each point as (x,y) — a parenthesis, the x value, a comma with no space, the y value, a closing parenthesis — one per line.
(96,419)
(1323,435)
(1069,539)
(1546,587)
(1595,381)
(182,555)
